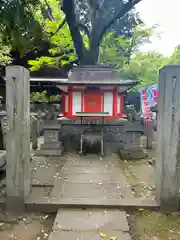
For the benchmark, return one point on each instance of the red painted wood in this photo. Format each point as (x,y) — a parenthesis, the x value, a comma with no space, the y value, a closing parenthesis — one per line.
(122,105)
(115,102)
(63,104)
(92,101)
(102,102)
(70,102)
(99,91)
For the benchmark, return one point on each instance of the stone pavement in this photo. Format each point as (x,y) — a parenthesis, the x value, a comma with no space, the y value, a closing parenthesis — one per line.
(91,178)
(90,225)
(87,180)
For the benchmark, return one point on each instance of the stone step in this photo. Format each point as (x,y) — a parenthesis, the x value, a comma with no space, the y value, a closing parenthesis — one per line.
(90,224)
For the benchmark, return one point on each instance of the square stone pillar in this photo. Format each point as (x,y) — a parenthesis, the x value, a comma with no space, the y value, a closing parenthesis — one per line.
(51,146)
(131,148)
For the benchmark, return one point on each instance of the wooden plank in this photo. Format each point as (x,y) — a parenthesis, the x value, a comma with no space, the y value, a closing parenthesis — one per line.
(168,145)
(18,136)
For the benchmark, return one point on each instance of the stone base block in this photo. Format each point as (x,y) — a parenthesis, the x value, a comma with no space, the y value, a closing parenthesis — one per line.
(49,152)
(132,154)
(51,146)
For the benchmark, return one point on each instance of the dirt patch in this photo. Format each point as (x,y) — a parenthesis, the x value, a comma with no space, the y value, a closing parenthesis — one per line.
(140,175)
(146,225)
(27,226)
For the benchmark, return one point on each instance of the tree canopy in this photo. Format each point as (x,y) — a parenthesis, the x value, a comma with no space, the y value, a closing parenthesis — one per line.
(57,32)
(75,27)
(144,67)
(100,16)
(19,27)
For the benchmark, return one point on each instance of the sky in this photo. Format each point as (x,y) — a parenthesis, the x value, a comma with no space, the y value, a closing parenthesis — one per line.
(165,13)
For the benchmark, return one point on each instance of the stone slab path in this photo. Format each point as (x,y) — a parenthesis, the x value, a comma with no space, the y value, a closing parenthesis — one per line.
(90,180)
(91,177)
(90,225)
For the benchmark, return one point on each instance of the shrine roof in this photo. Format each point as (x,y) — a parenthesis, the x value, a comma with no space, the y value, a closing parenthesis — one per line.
(88,75)
(66,81)
(97,74)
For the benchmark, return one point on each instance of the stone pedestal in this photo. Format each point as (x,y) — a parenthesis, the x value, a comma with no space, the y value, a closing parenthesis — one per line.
(131,148)
(51,146)
(149,138)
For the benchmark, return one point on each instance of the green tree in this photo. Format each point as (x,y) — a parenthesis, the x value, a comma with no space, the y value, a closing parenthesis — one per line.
(5,57)
(18,26)
(96,27)
(118,50)
(43,97)
(145,67)
(175,57)
(62,47)
(62,31)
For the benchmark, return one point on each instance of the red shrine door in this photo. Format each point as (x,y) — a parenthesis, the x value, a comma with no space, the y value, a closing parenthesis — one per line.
(93,102)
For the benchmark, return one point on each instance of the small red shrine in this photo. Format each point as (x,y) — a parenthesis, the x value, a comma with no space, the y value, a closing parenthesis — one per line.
(94,92)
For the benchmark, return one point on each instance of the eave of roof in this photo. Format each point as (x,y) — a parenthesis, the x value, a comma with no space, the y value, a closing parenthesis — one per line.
(66,82)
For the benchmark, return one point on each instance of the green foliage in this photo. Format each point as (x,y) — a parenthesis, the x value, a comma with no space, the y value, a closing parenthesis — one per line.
(62,49)
(26,26)
(39,96)
(112,50)
(18,26)
(141,34)
(43,97)
(124,54)
(175,57)
(117,50)
(144,67)
(5,57)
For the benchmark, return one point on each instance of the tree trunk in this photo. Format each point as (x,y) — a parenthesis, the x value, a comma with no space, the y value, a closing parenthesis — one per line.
(91,56)
(69,11)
